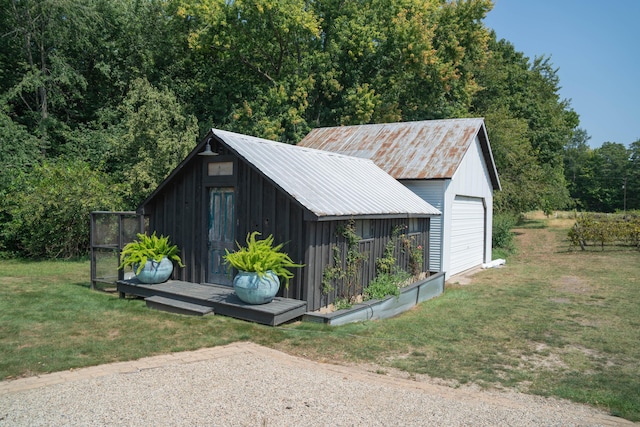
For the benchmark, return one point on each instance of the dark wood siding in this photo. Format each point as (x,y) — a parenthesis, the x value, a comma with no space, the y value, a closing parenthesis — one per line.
(323,236)
(179,209)
(263,207)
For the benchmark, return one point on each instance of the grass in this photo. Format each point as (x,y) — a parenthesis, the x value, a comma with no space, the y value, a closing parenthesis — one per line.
(553,321)
(51,321)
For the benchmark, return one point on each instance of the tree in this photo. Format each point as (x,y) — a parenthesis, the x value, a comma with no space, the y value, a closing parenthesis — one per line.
(520,173)
(577,166)
(146,137)
(526,90)
(19,153)
(51,37)
(398,61)
(633,177)
(611,162)
(259,50)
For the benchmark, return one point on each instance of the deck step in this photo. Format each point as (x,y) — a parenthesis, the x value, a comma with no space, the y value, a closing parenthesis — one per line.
(222,299)
(175,306)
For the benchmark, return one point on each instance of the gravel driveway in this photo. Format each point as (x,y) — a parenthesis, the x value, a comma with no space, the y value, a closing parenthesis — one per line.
(244,384)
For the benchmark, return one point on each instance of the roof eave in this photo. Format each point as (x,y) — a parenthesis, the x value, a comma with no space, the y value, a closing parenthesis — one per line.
(374,216)
(488,157)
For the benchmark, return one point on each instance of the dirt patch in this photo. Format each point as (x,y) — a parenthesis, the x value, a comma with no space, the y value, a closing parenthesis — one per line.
(553,359)
(464,278)
(573,285)
(543,357)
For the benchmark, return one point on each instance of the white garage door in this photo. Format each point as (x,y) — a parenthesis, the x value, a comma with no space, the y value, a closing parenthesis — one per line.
(467,234)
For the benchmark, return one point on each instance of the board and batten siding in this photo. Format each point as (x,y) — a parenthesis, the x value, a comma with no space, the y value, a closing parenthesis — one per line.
(262,207)
(323,236)
(179,211)
(432,191)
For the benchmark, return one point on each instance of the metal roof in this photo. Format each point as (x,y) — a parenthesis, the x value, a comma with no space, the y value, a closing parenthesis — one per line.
(327,184)
(431,149)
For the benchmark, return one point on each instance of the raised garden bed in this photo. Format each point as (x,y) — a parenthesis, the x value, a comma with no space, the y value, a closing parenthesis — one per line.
(409,297)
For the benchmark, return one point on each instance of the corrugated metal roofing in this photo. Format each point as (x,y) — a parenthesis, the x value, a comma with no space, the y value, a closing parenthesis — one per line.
(431,149)
(327,184)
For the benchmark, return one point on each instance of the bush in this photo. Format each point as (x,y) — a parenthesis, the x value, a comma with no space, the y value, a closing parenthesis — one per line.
(49,217)
(502,237)
(385,284)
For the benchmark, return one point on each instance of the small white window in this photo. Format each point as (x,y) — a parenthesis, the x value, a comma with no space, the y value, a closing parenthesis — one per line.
(220,168)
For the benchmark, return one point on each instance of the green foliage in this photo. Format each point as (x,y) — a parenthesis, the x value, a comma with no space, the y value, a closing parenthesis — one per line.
(332,272)
(149,135)
(386,284)
(389,276)
(528,125)
(606,230)
(386,264)
(344,274)
(502,236)
(380,287)
(342,304)
(49,215)
(400,241)
(19,151)
(260,256)
(127,86)
(353,260)
(415,259)
(148,248)
(260,54)
(603,179)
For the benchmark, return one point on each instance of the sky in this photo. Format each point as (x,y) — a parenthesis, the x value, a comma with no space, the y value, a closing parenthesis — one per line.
(595,44)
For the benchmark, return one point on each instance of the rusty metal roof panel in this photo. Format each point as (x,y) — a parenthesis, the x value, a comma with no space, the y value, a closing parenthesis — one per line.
(431,149)
(328,184)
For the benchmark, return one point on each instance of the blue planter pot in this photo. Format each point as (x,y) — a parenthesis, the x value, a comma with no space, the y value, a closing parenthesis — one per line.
(253,289)
(155,272)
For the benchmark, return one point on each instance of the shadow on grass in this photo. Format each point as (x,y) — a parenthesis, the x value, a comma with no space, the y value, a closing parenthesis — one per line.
(85,285)
(531,224)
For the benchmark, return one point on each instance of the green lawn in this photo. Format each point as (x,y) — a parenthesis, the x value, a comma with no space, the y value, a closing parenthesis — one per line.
(554,322)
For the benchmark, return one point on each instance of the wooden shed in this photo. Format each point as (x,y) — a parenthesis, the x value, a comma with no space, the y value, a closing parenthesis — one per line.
(233,184)
(448,163)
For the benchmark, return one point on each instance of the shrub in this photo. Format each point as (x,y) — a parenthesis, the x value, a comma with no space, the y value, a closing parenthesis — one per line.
(386,284)
(49,217)
(381,286)
(502,237)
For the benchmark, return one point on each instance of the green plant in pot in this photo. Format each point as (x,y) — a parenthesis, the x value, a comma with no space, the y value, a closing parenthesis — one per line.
(151,258)
(260,267)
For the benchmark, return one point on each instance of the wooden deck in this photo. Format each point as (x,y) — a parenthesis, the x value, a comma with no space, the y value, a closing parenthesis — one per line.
(222,299)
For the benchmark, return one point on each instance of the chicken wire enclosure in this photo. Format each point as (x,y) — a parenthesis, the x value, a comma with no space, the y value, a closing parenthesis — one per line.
(110,232)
